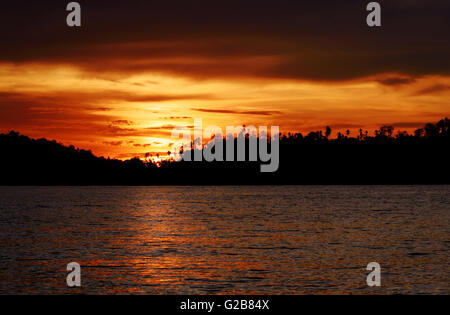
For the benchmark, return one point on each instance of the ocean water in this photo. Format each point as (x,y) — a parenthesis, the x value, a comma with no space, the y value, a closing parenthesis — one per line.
(225,240)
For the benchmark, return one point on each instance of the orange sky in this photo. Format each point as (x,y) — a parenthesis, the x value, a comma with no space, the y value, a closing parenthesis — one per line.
(126,116)
(121,82)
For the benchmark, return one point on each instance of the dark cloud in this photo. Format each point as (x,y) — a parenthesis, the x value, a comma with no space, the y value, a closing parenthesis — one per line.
(112,130)
(237,112)
(20,109)
(163,98)
(175,117)
(113,143)
(138,145)
(139,155)
(122,122)
(165,127)
(87,101)
(314,40)
(100,109)
(393,81)
(433,89)
(118,131)
(129,155)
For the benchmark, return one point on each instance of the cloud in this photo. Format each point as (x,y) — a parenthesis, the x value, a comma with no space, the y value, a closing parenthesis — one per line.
(113,143)
(122,122)
(129,155)
(324,40)
(165,127)
(138,145)
(22,109)
(163,98)
(118,131)
(433,89)
(393,81)
(138,154)
(100,109)
(175,117)
(95,97)
(237,112)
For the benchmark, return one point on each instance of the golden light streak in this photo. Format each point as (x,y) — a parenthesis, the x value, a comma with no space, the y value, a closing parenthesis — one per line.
(125,115)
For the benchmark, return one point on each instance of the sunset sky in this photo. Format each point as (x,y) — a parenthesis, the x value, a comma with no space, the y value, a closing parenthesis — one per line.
(135,69)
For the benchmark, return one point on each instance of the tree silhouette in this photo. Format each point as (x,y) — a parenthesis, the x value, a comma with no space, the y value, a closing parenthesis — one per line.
(328,132)
(311,159)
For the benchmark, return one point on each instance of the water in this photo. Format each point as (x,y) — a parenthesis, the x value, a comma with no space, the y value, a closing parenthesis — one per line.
(225,240)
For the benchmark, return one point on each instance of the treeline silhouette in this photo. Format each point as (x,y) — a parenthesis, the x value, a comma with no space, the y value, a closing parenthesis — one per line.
(388,157)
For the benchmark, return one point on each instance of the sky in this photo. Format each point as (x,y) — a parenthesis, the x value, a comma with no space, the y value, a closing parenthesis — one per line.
(134,70)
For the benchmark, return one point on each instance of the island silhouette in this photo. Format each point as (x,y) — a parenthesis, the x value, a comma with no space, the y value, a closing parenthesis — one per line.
(387,157)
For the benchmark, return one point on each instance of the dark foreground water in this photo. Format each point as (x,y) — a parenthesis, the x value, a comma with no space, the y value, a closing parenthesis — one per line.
(225,240)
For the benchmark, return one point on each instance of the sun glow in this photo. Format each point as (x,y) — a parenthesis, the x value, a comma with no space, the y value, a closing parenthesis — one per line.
(122,116)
